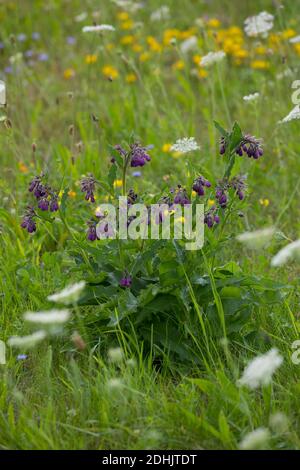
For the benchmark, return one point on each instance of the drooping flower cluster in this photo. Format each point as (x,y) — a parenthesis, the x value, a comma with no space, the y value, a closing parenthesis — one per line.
(211,217)
(91,232)
(28,222)
(199,184)
(139,155)
(249,145)
(126,280)
(237,183)
(46,196)
(87,185)
(181,196)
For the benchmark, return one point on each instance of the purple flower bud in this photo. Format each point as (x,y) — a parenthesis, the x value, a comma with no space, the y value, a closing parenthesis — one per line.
(43,204)
(54,205)
(126,281)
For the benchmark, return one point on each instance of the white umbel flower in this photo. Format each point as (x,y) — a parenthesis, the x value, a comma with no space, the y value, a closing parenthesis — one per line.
(257,439)
(289,252)
(294,114)
(256,239)
(50,317)
(185,145)
(2,93)
(295,40)
(162,13)
(259,25)
(98,28)
(212,58)
(261,369)
(251,97)
(27,341)
(189,44)
(69,294)
(81,17)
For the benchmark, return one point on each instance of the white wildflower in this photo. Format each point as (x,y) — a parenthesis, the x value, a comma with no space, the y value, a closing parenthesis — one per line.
(162,13)
(49,317)
(294,114)
(115,355)
(115,384)
(98,28)
(188,44)
(257,439)
(69,294)
(259,25)
(2,93)
(27,341)
(260,370)
(279,422)
(295,40)
(128,5)
(185,145)
(212,58)
(251,97)
(289,252)
(81,17)
(258,238)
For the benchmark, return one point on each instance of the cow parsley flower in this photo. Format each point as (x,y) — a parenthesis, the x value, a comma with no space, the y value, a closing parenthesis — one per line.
(185,145)
(291,251)
(69,294)
(189,44)
(295,40)
(27,341)
(261,369)
(162,13)
(294,114)
(212,58)
(98,28)
(49,317)
(259,25)
(251,97)
(257,439)
(258,238)
(2,93)
(81,17)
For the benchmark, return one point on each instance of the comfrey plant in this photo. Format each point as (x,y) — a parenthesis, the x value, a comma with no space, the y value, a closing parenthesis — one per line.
(131,250)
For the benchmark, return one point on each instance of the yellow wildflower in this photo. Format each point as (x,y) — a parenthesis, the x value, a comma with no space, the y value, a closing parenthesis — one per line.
(123,16)
(260,64)
(214,23)
(90,58)
(197,59)
(22,167)
(202,73)
(297,48)
(118,184)
(154,45)
(127,25)
(166,148)
(264,202)
(260,50)
(128,39)
(69,73)
(288,33)
(71,193)
(179,65)
(137,47)
(211,202)
(145,56)
(131,78)
(110,72)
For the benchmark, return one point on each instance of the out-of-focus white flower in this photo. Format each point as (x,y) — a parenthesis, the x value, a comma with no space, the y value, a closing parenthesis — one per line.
(98,28)
(279,422)
(259,25)
(188,44)
(2,93)
(251,97)
(185,145)
(49,317)
(27,341)
(115,384)
(81,17)
(115,355)
(128,5)
(16,58)
(261,369)
(257,439)
(69,294)
(212,58)
(294,114)
(295,40)
(162,13)
(290,251)
(258,238)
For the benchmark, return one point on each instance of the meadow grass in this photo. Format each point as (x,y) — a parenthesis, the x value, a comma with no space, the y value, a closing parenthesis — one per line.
(63,111)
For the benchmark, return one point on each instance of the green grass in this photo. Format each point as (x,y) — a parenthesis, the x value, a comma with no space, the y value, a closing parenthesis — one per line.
(62,398)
